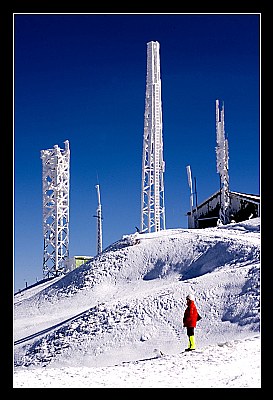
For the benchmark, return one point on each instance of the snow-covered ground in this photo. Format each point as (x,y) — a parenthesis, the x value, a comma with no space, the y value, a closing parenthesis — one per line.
(103,324)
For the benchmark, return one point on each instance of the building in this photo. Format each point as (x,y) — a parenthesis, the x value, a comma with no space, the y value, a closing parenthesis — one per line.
(242,207)
(75,262)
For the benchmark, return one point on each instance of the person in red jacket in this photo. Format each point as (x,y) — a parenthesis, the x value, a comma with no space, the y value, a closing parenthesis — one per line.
(190,319)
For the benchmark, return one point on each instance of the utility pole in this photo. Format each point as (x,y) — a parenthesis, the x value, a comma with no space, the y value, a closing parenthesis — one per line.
(153,166)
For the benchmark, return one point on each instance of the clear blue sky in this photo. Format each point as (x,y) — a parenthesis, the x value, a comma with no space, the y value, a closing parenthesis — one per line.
(82,78)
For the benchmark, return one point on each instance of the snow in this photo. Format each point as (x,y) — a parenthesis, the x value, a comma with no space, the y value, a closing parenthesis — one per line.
(104,324)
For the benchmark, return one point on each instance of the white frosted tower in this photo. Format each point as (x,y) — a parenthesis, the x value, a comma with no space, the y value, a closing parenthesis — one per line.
(56,164)
(222,163)
(153,166)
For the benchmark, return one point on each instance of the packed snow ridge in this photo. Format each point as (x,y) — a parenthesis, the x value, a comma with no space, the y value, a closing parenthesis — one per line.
(130,299)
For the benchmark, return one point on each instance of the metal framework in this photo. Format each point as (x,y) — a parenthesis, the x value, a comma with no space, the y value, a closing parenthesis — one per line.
(153,166)
(56,163)
(222,158)
(99,222)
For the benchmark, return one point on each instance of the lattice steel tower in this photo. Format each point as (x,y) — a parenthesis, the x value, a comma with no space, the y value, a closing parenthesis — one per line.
(56,164)
(153,166)
(222,163)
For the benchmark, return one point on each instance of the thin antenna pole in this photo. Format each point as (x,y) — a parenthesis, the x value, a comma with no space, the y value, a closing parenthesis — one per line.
(195,192)
(99,222)
(191,192)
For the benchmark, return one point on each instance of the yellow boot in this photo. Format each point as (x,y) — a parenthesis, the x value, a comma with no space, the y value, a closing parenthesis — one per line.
(191,343)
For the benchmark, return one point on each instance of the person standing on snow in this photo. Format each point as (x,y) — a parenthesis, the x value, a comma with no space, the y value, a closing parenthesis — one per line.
(190,319)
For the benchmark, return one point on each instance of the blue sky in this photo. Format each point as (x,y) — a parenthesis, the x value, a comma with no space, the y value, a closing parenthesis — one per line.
(82,78)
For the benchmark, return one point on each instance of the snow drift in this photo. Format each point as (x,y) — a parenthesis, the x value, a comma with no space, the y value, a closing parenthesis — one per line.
(130,300)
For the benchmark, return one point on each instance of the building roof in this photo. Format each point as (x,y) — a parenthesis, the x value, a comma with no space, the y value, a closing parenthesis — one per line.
(253,198)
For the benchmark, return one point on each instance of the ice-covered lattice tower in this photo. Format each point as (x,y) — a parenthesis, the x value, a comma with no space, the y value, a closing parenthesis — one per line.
(153,166)
(56,163)
(222,163)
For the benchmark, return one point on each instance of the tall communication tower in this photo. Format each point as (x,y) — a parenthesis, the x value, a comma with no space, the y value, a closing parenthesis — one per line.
(56,164)
(99,223)
(153,166)
(222,163)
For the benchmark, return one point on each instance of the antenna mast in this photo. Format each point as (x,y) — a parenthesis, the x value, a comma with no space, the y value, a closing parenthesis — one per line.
(222,158)
(153,166)
(99,223)
(56,163)
(191,194)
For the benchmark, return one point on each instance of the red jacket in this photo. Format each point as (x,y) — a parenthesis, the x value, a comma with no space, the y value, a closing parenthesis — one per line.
(190,315)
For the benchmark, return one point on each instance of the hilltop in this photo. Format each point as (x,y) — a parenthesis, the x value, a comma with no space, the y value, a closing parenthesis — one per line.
(129,300)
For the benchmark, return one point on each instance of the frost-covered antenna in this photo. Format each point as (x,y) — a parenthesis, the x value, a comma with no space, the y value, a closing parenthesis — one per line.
(56,163)
(190,185)
(99,222)
(222,158)
(153,166)
(191,193)
(193,221)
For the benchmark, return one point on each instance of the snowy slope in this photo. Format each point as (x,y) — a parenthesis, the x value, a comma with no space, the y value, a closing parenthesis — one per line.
(130,300)
(233,364)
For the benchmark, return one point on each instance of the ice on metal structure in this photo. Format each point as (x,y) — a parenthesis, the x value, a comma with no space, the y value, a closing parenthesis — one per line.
(153,166)
(56,165)
(99,222)
(192,219)
(222,158)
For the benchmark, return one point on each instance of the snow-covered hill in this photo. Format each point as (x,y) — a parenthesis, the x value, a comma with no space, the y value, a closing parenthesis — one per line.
(130,300)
